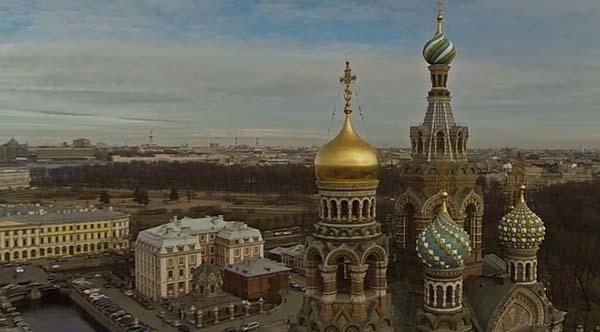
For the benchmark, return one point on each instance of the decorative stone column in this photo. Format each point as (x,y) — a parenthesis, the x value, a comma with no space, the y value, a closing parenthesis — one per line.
(199,323)
(261,305)
(216,311)
(231,311)
(359,306)
(329,292)
(247,308)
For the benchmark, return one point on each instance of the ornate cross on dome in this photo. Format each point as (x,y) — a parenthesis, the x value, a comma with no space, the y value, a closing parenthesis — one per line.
(347,80)
(440,15)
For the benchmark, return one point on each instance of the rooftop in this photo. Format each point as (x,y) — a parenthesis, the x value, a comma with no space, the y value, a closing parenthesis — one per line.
(256,267)
(11,214)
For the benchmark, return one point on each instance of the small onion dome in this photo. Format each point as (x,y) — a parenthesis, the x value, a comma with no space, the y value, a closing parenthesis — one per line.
(439,50)
(346,158)
(443,244)
(521,228)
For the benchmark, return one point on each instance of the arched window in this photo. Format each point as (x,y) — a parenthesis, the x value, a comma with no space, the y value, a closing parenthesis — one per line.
(345,209)
(528,272)
(440,143)
(439,296)
(92,247)
(343,278)
(420,144)
(85,247)
(470,215)
(355,210)
(365,209)
(449,296)
(370,280)
(460,143)
(42,252)
(16,255)
(25,255)
(334,209)
(431,294)
(32,254)
(519,276)
(7,257)
(325,209)
(410,230)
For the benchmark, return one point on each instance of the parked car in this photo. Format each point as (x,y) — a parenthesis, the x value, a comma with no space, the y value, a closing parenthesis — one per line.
(161,314)
(231,329)
(184,328)
(175,323)
(250,326)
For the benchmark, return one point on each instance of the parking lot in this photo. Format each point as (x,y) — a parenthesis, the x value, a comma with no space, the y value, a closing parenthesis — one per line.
(271,322)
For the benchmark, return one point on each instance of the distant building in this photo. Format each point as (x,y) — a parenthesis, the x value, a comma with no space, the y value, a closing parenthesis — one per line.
(292,257)
(14,178)
(12,150)
(63,153)
(167,255)
(82,143)
(253,279)
(33,232)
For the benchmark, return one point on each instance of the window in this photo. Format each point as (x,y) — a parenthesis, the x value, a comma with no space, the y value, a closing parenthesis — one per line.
(170,262)
(170,274)
(256,249)
(246,251)
(77,227)
(64,228)
(237,252)
(181,273)
(212,249)
(212,236)
(181,260)
(84,226)
(193,258)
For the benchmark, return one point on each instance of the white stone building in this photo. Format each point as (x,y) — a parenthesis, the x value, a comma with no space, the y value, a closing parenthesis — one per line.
(167,255)
(14,178)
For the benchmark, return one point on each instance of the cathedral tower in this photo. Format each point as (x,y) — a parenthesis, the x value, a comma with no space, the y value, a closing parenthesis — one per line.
(521,232)
(346,257)
(438,139)
(443,247)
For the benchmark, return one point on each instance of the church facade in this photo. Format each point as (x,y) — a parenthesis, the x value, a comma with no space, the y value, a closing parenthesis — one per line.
(438,220)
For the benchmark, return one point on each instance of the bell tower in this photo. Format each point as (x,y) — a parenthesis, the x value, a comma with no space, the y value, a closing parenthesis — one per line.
(346,257)
(439,138)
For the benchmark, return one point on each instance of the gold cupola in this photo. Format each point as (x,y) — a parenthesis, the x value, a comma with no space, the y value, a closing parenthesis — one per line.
(347,158)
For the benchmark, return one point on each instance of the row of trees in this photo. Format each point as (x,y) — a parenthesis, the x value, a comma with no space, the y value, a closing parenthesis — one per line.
(194,176)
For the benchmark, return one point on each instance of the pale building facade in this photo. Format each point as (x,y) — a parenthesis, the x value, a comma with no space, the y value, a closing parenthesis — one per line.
(14,178)
(166,256)
(32,232)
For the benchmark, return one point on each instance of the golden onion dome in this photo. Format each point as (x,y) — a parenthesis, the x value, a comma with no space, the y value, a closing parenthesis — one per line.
(347,158)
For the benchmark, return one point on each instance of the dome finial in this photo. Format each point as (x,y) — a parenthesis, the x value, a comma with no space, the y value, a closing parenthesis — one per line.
(440,15)
(444,207)
(347,81)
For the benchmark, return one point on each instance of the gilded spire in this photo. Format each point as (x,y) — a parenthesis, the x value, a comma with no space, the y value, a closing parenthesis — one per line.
(522,193)
(347,81)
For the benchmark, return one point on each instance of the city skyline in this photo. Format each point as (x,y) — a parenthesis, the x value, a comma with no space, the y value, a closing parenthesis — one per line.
(192,70)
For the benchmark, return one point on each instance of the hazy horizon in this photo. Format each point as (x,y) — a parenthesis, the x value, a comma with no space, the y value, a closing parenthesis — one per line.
(191,70)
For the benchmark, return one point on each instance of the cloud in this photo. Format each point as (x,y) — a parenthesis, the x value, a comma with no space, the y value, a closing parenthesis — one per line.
(190,69)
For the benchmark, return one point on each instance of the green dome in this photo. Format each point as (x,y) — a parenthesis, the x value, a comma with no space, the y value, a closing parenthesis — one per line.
(521,228)
(443,244)
(439,49)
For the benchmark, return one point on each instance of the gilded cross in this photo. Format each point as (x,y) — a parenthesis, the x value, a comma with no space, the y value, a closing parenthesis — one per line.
(347,81)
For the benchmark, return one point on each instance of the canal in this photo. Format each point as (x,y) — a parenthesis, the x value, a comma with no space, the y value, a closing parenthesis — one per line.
(56,314)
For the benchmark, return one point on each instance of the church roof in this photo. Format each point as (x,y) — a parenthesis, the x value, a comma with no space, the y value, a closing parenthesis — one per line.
(485,295)
(206,270)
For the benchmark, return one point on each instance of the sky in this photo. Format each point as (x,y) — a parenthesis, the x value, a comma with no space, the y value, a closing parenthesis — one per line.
(193,71)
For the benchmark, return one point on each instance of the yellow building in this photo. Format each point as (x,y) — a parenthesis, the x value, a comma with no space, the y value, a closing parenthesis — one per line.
(32,232)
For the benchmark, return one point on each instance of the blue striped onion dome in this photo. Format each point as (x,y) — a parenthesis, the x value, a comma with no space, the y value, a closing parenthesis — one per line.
(443,244)
(439,49)
(521,228)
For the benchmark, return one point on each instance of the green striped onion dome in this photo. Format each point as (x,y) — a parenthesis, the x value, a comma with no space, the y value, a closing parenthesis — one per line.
(521,228)
(439,50)
(443,244)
